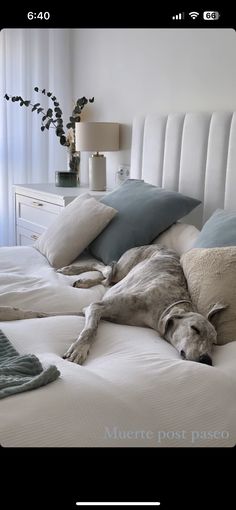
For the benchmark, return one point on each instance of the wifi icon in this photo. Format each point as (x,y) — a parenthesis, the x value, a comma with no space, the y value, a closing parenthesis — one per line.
(193,14)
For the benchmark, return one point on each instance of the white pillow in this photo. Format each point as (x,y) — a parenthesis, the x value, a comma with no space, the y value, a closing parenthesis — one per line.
(179,237)
(74,229)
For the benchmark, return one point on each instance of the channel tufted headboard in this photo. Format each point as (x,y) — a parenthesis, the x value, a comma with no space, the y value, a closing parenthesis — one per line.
(194,153)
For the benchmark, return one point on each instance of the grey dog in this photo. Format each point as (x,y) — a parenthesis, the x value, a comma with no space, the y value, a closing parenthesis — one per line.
(150,291)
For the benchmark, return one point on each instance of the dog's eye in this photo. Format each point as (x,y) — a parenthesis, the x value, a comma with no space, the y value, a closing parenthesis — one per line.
(182,354)
(195,329)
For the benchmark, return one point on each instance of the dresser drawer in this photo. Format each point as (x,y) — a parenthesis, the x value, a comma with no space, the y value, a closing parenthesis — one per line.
(35,214)
(25,237)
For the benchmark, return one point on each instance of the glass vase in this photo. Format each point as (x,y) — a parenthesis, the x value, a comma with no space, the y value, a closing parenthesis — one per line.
(73,163)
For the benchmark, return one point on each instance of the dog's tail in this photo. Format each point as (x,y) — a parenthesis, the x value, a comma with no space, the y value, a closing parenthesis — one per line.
(57,314)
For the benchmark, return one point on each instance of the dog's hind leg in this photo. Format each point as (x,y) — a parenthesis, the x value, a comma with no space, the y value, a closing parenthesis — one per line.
(86,283)
(104,277)
(79,350)
(74,269)
(82,267)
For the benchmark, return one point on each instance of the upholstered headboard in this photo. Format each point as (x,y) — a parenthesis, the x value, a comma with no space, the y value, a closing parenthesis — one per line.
(194,153)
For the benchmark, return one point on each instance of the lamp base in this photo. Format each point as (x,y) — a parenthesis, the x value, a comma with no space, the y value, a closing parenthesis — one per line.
(97,172)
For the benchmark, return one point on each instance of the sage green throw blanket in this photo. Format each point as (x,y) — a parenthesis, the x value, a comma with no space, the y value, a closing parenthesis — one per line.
(21,372)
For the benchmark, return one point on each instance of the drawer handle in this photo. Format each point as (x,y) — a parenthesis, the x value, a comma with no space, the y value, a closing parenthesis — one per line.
(34,237)
(38,204)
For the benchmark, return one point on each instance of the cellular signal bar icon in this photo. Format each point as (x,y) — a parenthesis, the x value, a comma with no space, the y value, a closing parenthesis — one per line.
(179,16)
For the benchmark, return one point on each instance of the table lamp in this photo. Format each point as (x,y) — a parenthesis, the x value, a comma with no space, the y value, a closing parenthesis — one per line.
(97,136)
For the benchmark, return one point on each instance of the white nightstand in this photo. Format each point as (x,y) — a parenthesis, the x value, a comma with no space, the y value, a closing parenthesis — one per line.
(37,205)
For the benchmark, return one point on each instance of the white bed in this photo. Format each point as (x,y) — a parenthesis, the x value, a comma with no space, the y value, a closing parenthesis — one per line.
(133,389)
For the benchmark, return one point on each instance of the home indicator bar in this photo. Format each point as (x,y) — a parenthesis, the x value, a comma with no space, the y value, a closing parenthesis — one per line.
(117,503)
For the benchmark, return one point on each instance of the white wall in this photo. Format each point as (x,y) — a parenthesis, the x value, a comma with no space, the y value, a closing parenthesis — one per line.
(29,58)
(132,71)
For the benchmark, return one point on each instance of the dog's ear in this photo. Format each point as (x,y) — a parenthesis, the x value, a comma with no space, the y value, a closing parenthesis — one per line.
(217,307)
(168,320)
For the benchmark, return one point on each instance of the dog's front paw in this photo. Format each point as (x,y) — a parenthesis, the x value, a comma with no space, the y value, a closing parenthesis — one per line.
(77,353)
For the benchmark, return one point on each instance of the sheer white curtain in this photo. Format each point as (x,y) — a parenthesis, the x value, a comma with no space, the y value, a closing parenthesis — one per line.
(29,58)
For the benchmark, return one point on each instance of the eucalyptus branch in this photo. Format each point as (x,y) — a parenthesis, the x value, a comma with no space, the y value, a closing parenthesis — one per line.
(52,118)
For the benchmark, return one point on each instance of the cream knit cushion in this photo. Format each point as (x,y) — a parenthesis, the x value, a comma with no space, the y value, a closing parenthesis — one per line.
(211,278)
(73,230)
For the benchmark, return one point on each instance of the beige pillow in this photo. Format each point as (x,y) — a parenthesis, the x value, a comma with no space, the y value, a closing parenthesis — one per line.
(73,230)
(211,278)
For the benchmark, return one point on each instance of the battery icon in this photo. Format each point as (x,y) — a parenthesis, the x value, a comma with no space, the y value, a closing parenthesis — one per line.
(211,15)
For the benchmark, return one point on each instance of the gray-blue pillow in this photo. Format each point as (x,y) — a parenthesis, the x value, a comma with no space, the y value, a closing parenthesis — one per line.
(144,211)
(219,230)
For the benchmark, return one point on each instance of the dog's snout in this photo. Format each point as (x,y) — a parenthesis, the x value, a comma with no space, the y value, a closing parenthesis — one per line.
(205,358)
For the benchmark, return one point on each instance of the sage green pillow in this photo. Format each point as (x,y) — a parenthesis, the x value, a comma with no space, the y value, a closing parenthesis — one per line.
(144,211)
(218,231)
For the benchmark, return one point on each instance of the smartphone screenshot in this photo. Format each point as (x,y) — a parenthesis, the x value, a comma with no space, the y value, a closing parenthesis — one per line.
(118,257)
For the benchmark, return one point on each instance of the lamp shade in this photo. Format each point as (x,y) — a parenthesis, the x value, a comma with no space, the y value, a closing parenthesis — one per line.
(97,136)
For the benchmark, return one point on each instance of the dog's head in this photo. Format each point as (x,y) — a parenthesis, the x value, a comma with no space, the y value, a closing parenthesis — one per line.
(191,333)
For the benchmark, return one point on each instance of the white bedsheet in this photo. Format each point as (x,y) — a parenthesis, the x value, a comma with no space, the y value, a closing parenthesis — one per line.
(29,282)
(133,390)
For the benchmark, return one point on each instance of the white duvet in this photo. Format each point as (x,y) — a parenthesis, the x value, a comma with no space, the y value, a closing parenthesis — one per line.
(133,390)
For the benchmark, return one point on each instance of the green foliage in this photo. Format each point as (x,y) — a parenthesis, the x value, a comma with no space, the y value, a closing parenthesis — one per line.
(53,116)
